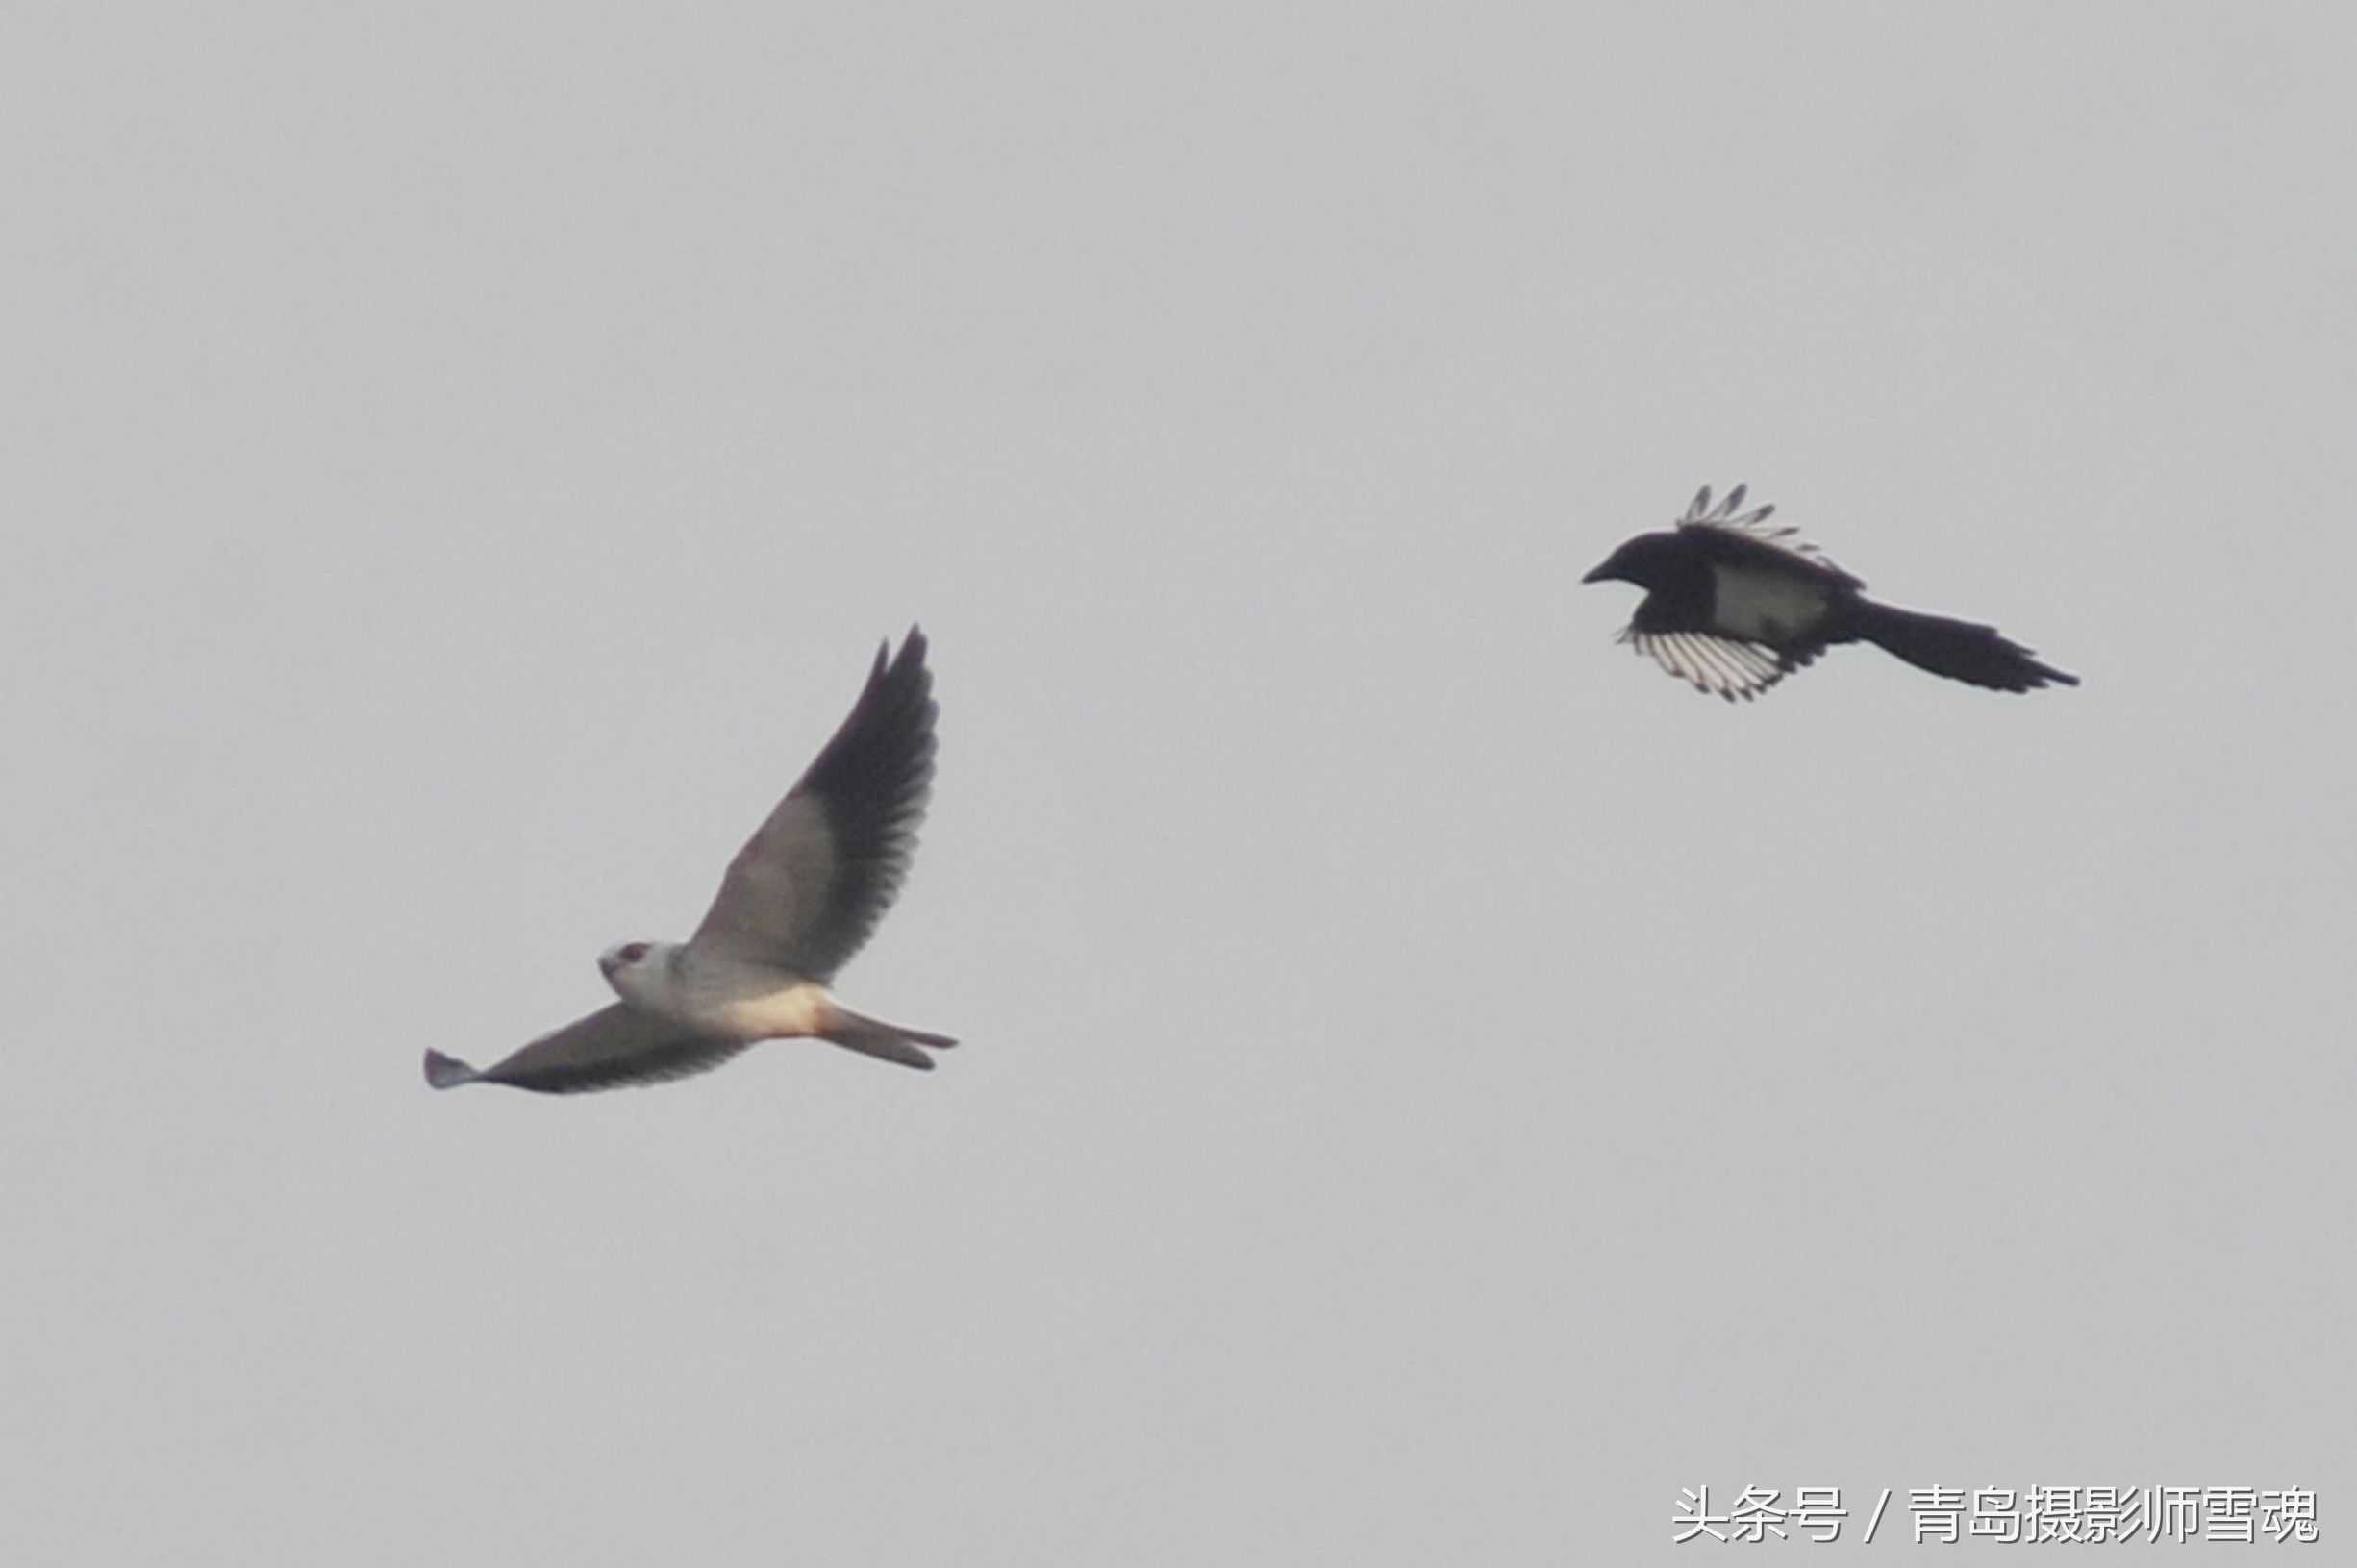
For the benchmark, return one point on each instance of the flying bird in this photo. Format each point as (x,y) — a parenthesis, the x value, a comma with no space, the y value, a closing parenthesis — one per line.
(1733,606)
(798,901)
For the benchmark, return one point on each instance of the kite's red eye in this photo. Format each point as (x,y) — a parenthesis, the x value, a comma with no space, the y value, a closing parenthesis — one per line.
(632,952)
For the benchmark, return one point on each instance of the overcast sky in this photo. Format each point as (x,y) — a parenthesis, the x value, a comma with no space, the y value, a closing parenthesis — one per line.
(1434,1087)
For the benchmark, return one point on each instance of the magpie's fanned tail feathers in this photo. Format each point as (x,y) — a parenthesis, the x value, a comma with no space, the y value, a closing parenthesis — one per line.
(1960,650)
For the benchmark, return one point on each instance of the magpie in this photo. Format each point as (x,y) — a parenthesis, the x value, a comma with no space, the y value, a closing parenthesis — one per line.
(1734,605)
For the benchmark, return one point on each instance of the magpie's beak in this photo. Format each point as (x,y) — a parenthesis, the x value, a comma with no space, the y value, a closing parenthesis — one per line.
(1600,574)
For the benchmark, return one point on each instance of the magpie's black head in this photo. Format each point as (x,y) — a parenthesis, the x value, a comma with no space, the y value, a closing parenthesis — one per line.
(1647,561)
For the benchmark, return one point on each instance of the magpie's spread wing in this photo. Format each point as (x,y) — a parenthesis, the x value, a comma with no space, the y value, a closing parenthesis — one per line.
(613,1046)
(1724,666)
(1731,534)
(807,890)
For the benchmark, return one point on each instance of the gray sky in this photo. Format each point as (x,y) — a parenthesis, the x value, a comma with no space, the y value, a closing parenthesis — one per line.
(1434,1087)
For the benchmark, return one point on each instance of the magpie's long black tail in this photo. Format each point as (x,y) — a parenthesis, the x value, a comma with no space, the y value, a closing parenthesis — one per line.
(1960,650)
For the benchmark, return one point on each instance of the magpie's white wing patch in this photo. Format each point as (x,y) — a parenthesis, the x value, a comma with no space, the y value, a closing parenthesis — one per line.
(1728,516)
(1769,605)
(1720,666)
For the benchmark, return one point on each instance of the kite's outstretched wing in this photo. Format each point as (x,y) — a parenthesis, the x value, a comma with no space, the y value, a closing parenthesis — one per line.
(808,888)
(613,1046)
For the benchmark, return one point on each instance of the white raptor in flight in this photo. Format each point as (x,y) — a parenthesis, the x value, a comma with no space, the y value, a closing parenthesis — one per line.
(798,901)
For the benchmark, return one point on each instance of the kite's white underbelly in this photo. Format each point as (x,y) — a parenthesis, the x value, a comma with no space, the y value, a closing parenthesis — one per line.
(727,998)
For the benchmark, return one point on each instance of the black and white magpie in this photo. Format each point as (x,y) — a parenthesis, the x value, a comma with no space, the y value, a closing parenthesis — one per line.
(1733,606)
